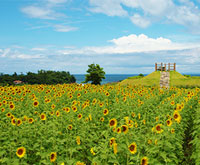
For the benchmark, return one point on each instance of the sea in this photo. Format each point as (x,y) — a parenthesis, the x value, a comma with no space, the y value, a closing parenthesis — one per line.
(109,78)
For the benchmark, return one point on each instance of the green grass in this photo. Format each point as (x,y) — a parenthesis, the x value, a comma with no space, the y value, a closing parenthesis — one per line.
(177,79)
(152,79)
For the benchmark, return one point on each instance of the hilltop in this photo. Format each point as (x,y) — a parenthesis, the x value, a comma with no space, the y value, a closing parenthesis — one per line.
(153,79)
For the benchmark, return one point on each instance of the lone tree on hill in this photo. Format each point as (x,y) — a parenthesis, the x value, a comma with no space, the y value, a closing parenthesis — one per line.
(95,74)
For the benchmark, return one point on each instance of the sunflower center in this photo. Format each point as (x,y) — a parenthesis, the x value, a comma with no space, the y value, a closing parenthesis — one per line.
(132,147)
(52,156)
(158,128)
(143,161)
(175,116)
(20,151)
(112,122)
(123,128)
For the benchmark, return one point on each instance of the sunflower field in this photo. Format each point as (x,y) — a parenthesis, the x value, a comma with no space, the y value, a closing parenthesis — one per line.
(71,124)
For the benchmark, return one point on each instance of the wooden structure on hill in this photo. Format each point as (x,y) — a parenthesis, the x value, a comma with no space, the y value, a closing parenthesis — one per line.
(163,67)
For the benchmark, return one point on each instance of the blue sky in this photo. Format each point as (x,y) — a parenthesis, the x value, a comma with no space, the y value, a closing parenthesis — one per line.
(123,36)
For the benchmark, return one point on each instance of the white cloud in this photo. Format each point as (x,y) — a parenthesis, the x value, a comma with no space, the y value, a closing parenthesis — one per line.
(133,44)
(38,49)
(140,21)
(187,16)
(25,56)
(38,12)
(44,9)
(56,1)
(108,7)
(5,52)
(185,13)
(63,28)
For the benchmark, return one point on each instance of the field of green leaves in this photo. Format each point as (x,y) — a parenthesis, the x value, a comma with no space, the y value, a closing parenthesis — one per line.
(72,124)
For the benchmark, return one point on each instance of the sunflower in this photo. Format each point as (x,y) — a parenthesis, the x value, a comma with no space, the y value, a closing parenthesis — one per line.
(139,115)
(169,122)
(119,130)
(80,163)
(136,124)
(12,106)
(53,106)
(92,151)
(30,120)
(101,104)
(78,95)
(107,94)
(113,122)
(13,121)
(102,119)
(177,116)
(53,156)
(172,103)
(112,141)
(25,118)
(21,152)
(149,141)
(133,148)
(57,113)
(78,140)
(69,127)
(52,113)
(74,108)
(43,116)
(144,161)
(80,116)
(144,122)
(158,128)
(133,114)
(105,111)
(86,119)
(115,148)
(94,101)
(124,129)
(67,109)
(3,109)
(90,117)
(35,103)
(172,130)
(19,122)
(8,114)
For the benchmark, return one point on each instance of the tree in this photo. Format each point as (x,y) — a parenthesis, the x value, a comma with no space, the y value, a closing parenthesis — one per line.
(95,74)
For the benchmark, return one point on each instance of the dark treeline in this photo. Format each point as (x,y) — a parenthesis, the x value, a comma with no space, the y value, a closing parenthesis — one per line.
(42,77)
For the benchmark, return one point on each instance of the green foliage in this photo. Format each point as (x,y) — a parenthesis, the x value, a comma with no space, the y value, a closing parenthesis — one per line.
(141,75)
(42,77)
(186,75)
(95,74)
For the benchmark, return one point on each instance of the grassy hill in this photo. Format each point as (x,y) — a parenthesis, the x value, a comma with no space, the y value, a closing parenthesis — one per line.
(177,79)
(153,79)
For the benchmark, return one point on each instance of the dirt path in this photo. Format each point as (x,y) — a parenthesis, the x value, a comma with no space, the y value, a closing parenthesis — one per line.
(164,79)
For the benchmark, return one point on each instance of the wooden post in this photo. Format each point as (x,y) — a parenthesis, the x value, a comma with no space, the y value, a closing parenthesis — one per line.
(174,66)
(168,66)
(155,66)
(161,66)
(165,67)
